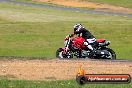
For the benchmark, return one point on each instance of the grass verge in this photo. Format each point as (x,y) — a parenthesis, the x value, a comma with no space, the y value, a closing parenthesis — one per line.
(56,84)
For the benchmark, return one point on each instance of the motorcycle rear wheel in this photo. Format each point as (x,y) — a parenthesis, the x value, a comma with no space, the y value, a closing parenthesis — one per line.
(112,54)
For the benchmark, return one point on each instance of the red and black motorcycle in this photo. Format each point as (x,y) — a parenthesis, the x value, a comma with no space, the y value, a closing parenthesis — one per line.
(75,47)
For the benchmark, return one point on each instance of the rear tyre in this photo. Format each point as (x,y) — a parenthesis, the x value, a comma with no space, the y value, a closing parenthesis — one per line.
(112,54)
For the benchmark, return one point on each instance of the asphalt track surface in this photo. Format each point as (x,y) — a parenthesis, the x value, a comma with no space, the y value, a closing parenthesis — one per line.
(72,59)
(66,8)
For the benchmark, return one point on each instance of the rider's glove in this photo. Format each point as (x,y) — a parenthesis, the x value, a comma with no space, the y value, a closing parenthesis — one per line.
(71,35)
(66,37)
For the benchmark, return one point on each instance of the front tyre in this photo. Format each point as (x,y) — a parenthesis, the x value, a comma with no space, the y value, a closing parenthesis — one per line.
(59,53)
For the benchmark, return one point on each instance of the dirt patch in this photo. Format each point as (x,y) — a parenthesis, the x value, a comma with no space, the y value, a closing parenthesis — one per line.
(85,4)
(59,69)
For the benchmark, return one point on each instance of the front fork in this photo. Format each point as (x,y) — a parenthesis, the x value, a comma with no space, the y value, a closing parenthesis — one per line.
(67,45)
(66,51)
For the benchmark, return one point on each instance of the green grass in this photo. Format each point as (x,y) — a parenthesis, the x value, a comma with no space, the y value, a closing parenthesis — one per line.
(38,32)
(56,84)
(123,3)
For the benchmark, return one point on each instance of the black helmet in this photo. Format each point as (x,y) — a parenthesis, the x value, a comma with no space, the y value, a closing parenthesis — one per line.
(77,27)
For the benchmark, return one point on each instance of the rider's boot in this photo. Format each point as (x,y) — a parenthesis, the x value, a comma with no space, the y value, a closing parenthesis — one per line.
(92,50)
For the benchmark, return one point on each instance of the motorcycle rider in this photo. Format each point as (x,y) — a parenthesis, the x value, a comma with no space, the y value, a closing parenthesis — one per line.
(89,38)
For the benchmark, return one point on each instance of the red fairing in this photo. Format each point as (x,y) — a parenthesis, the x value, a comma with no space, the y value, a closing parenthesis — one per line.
(100,40)
(78,42)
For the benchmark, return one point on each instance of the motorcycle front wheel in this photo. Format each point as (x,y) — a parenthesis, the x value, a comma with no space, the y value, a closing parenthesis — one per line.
(61,55)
